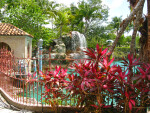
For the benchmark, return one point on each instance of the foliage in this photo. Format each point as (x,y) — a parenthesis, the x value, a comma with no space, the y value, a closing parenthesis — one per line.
(86,13)
(98,79)
(100,35)
(54,82)
(121,52)
(30,16)
(98,84)
(62,21)
(115,23)
(33,16)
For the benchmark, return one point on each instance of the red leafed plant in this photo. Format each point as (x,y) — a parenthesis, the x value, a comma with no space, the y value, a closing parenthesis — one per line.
(54,83)
(100,86)
(94,78)
(132,85)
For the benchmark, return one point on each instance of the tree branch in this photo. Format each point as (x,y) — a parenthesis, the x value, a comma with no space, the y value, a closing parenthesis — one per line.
(123,27)
(136,26)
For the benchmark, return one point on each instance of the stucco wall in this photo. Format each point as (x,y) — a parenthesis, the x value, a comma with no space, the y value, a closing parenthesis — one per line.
(18,44)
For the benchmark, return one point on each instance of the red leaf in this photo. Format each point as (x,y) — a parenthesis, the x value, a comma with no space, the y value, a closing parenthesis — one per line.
(104,51)
(133,102)
(130,105)
(105,86)
(107,106)
(127,95)
(95,106)
(141,71)
(82,85)
(130,58)
(110,62)
(97,47)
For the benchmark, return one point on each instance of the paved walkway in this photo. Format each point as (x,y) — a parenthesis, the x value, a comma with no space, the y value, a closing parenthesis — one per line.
(6,108)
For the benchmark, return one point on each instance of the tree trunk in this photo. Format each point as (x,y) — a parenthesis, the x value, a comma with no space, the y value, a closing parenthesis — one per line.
(136,26)
(123,27)
(60,31)
(148,11)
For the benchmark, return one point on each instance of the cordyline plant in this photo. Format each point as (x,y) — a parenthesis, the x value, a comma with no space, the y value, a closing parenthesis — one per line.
(54,82)
(99,86)
(93,80)
(132,85)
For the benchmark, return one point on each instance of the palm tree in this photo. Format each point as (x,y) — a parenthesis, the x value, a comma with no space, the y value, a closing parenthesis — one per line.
(62,20)
(87,12)
(116,23)
(49,9)
(136,23)
(145,37)
(148,12)
(145,31)
(52,11)
(125,24)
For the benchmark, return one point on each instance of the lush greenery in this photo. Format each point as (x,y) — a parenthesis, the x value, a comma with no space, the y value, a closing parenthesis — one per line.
(122,52)
(34,15)
(99,86)
(49,20)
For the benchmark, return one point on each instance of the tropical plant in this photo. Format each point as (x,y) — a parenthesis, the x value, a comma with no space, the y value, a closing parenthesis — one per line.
(96,80)
(115,23)
(126,22)
(86,13)
(30,16)
(62,21)
(99,86)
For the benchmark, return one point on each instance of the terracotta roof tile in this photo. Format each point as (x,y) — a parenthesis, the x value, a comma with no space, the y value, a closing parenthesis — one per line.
(11,30)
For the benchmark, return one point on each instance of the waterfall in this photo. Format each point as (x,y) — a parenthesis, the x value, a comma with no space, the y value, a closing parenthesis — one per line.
(70,47)
(83,43)
(78,41)
(78,45)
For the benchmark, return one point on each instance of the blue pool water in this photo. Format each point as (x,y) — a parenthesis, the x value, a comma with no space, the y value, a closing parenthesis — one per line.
(37,95)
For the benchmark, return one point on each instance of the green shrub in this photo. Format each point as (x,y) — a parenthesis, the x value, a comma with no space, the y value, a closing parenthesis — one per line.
(121,52)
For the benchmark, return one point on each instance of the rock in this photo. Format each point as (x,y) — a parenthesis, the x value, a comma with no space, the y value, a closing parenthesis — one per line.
(60,46)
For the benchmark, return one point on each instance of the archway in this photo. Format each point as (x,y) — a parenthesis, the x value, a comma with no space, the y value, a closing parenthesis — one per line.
(5,45)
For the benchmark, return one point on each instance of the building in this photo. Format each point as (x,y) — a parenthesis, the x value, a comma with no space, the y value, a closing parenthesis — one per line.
(15,39)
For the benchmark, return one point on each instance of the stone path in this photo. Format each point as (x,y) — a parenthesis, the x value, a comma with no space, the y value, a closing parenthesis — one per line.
(6,108)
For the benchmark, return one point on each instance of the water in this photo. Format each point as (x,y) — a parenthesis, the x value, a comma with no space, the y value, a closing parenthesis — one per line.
(78,45)
(78,41)
(123,67)
(38,92)
(38,97)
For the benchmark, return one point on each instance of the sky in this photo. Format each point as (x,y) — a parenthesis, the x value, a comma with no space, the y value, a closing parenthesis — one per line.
(116,7)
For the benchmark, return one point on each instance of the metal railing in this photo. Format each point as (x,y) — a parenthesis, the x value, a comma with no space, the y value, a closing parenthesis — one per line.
(14,74)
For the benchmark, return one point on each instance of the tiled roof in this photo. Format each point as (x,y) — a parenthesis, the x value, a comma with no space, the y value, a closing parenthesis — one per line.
(11,30)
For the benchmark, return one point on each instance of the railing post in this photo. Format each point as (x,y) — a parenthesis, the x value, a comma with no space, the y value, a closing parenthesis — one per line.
(34,64)
(40,43)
